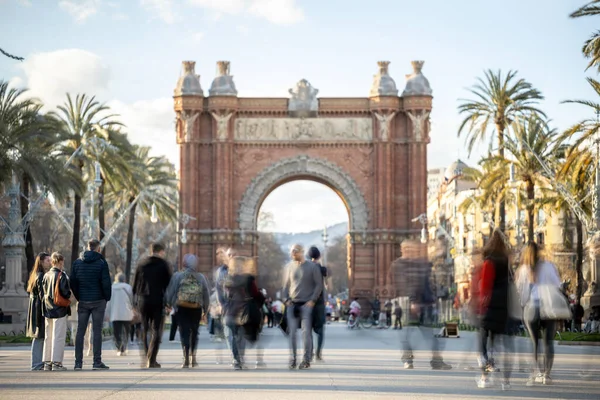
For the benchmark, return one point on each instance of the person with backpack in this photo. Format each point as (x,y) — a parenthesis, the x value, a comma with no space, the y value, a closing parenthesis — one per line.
(55,307)
(152,277)
(188,293)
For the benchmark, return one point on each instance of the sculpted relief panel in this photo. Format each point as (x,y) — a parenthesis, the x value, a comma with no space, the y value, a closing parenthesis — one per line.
(275,129)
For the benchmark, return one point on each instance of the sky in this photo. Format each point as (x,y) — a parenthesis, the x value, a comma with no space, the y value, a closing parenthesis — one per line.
(129,53)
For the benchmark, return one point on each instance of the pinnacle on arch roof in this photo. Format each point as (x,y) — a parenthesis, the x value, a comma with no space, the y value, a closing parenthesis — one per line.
(189,82)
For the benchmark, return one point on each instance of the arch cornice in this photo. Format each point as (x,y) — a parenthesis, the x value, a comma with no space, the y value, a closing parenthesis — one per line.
(305,167)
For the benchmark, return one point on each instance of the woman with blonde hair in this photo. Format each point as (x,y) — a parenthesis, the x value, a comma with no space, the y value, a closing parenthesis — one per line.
(121,312)
(535,274)
(493,298)
(56,307)
(35,319)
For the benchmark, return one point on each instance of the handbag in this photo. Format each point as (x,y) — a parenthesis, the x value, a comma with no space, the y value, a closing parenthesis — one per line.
(515,309)
(58,298)
(553,304)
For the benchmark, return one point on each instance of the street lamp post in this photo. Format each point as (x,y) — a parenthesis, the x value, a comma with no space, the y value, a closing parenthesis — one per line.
(325,237)
(518,223)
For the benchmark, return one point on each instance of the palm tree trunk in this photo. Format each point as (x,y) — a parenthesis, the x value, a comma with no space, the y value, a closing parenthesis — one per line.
(129,249)
(530,210)
(579,261)
(76,228)
(29,255)
(502,207)
(101,219)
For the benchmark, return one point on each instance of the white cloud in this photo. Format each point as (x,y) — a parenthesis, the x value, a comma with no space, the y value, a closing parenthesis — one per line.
(162,9)
(119,16)
(26,3)
(80,9)
(150,123)
(243,29)
(51,75)
(198,36)
(281,12)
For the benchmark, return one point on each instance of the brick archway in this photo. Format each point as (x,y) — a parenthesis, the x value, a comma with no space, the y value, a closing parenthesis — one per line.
(372,151)
(302,167)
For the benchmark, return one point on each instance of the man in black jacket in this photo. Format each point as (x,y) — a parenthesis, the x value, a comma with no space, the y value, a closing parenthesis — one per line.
(90,282)
(152,277)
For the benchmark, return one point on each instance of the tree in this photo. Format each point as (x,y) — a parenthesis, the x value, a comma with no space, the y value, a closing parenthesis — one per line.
(27,150)
(499,100)
(337,265)
(586,130)
(531,133)
(591,48)
(87,126)
(151,181)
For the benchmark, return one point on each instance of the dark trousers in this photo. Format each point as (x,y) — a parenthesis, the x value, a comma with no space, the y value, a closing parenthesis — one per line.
(546,329)
(121,334)
(277,318)
(85,309)
(189,323)
(484,335)
(270,319)
(135,331)
(173,327)
(388,318)
(152,324)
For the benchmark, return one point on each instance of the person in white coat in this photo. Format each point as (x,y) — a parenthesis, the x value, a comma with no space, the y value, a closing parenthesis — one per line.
(121,312)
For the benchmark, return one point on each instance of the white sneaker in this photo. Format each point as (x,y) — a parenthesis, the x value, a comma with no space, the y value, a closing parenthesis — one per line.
(119,354)
(505,386)
(483,383)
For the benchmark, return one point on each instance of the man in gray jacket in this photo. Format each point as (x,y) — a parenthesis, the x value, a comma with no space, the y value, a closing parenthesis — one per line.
(302,288)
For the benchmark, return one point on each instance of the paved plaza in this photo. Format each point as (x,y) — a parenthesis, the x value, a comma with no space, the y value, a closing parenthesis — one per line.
(362,364)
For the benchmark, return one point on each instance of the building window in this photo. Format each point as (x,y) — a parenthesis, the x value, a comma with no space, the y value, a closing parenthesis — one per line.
(540,238)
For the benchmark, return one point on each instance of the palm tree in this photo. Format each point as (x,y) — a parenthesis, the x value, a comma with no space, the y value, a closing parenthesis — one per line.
(87,127)
(587,129)
(499,100)
(531,134)
(27,150)
(577,171)
(152,181)
(591,48)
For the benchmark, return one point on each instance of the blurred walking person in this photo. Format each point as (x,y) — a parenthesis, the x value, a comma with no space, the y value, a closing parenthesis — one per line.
(536,282)
(121,312)
(56,307)
(302,288)
(35,328)
(152,278)
(319,310)
(90,280)
(243,315)
(494,300)
(416,270)
(188,293)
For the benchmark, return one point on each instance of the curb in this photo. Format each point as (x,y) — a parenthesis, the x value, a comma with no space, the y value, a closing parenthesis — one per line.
(566,343)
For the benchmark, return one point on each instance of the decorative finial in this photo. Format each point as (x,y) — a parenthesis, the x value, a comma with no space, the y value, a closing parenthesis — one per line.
(416,83)
(383,67)
(222,68)
(189,82)
(189,67)
(383,84)
(223,84)
(417,66)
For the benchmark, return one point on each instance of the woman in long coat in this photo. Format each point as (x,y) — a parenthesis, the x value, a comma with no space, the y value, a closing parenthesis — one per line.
(35,319)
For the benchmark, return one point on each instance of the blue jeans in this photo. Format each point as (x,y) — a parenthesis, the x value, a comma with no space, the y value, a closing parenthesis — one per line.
(304,321)
(235,340)
(37,353)
(85,309)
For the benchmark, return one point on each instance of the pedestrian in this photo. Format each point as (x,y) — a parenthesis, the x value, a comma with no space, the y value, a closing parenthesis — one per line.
(388,312)
(302,288)
(152,277)
(397,315)
(243,316)
(90,280)
(269,312)
(277,307)
(188,293)
(35,319)
(319,309)
(56,307)
(376,309)
(121,312)
(494,299)
(173,330)
(416,285)
(534,280)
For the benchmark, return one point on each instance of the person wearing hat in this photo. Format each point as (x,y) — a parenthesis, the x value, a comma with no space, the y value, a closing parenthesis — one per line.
(319,310)
(188,294)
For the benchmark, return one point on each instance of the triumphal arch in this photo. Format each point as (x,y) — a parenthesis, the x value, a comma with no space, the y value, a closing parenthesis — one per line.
(371,151)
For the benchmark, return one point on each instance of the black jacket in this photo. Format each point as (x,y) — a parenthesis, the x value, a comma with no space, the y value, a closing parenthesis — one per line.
(35,327)
(152,278)
(90,278)
(496,318)
(49,309)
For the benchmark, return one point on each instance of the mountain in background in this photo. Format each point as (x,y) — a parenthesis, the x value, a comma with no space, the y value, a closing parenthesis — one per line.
(313,238)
